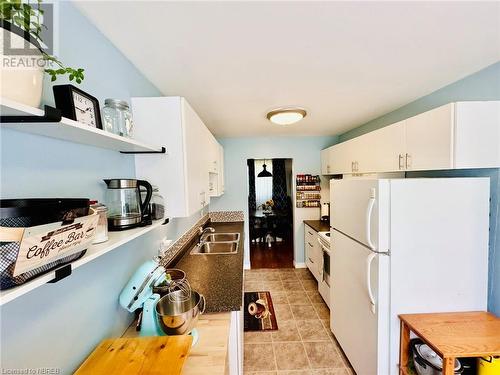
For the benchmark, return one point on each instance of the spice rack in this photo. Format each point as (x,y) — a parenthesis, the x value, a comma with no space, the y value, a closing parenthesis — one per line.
(308,191)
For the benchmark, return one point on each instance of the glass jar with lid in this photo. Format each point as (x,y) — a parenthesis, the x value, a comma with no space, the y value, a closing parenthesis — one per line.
(117,117)
(102,223)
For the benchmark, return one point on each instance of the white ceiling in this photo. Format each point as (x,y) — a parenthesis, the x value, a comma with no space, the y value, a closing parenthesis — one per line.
(345,62)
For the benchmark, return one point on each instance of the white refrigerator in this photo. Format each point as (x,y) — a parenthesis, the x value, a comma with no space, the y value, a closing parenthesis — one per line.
(403,246)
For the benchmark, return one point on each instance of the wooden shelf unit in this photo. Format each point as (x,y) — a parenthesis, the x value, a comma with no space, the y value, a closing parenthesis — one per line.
(451,336)
(70,130)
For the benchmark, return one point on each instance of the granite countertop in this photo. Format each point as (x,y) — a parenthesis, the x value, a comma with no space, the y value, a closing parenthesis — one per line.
(218,277)
(318,225)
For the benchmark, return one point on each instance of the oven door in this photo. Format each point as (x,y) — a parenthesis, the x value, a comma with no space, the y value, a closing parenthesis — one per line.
(324,279)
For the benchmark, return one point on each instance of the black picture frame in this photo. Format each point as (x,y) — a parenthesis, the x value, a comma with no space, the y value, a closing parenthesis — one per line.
(63,95)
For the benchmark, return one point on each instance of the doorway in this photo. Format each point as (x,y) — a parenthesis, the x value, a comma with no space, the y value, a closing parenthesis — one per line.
(270,208)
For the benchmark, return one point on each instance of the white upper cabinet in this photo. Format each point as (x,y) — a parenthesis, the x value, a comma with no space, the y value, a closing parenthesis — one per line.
(222,184)
(381,150)
(216,168)
(325,160)
(213,154)
(182,174)
(454,136)
(429,140)
(336,159)
(477,135)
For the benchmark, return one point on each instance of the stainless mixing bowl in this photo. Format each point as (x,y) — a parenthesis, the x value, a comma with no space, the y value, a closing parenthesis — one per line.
(179,317)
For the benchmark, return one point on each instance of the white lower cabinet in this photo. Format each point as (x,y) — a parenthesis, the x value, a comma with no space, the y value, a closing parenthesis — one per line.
(454,136)
(312,251)
(182,174)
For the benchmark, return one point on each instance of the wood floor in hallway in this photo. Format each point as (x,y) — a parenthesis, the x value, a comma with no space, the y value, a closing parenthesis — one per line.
(303,344)
(279,255)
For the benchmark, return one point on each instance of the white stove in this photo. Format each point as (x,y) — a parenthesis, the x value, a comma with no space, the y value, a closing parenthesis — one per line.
(324,280)
(325,236)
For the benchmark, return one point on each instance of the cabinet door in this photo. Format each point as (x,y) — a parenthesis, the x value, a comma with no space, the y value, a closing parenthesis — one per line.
(311,250)
(477,134)
(325,161)
(213,153)
(429,139)
(340,157)
(382,150)
(196,149)
(222,186)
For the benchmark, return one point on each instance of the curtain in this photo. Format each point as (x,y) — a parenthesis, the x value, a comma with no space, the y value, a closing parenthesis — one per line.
(263,185)
(280,196)
(251,182)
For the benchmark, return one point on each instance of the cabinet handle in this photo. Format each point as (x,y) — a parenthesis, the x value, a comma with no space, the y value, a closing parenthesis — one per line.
(309,233)
(401,164)
(310,244)
(408,161)
(310,260)
(357,166)
(328,169)
(352,166)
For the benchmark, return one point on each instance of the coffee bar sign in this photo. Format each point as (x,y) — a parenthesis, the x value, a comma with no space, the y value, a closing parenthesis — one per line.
(46,243)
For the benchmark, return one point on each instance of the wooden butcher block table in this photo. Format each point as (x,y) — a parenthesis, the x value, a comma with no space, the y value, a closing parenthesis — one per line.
(163,355)
(451,335)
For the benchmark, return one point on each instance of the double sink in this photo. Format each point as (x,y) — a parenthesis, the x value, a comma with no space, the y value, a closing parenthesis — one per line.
(217,243)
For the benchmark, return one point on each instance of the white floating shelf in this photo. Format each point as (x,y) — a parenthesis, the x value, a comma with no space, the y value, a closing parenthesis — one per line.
(70,130)
(115,240)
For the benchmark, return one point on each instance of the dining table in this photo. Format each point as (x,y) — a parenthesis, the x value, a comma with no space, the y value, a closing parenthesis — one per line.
(269,217)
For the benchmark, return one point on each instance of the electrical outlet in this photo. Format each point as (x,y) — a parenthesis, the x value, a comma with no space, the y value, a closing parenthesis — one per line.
(164,245)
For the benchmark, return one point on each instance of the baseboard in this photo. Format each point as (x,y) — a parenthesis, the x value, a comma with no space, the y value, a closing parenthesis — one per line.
(246,266)
(299,265)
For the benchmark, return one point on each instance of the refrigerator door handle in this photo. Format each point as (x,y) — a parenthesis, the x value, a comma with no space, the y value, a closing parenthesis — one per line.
(369,261)
(369,210)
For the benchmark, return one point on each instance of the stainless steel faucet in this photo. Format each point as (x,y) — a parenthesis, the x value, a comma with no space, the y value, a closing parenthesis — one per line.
(203,238)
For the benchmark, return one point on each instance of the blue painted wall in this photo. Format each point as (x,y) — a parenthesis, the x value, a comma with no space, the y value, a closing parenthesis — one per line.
(58,325)
(305,153)
(483,85)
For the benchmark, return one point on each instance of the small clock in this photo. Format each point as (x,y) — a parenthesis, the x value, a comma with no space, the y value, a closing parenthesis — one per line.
(77,105)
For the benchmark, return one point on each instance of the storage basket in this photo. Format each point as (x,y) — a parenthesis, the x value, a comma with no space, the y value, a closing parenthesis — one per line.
(28,213)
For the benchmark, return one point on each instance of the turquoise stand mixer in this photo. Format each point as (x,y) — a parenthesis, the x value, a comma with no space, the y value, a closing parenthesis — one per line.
(174,313)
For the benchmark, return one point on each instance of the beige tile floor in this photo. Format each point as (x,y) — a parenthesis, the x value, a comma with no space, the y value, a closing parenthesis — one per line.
(303,344)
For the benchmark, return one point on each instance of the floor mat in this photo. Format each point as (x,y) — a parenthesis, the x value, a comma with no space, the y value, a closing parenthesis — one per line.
(259,312)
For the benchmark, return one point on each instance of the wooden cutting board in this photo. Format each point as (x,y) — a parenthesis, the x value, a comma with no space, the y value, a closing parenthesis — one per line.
(163,355)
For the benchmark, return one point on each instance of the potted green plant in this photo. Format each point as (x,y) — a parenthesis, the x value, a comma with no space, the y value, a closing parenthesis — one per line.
(21,75)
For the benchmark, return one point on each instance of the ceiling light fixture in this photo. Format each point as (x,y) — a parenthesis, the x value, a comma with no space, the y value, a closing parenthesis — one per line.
(286,116)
